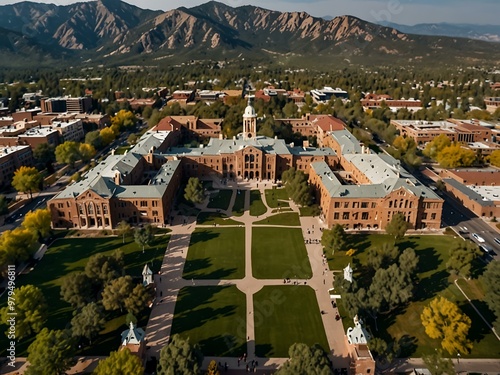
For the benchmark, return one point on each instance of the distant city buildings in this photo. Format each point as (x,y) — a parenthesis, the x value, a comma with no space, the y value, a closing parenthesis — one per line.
(66,104)
(374,101)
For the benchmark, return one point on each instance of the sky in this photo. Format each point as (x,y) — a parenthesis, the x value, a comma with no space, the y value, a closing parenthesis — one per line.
(407,12)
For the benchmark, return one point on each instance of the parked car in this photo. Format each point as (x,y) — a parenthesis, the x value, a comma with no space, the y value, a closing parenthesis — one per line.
(497,240)
(486,249)
(477,237)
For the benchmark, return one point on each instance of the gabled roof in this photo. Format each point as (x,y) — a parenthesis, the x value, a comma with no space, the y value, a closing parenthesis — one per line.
(133,335)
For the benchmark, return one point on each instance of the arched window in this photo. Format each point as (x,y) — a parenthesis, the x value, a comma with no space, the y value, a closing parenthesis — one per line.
(91,208)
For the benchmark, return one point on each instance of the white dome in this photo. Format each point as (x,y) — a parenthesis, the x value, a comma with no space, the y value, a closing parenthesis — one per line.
(250,112)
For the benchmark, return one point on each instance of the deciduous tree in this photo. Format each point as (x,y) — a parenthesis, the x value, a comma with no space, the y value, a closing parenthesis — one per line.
(123,229)
(138,300)
(212,368)
(334,239)
(194,191)
(461,258)
(442,319)
(4,207)
(398,226)
(105,267)
(179,357)
(68,153)
(123,119)
(27,180)
(30,309)
(494,158)
(78,289)
(305,360)
(94,138)
(297,187)
(44,154)
(16,246)
(51,353)
(438,365)
(107,136)
(143,236)
(491,282)
(433,148)
(86,152)
(88,322)
(455,156)
(121,362)
(38,222)
(115,294)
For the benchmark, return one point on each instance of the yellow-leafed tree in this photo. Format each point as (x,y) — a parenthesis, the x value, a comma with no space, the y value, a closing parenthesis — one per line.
(124,119)
(442,319)
(27,180)
(107,135)
(86,151)
(494,158)
(455,155)
(38,222)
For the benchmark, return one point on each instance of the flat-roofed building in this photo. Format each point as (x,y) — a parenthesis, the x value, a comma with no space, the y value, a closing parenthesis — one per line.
(66,104)
(456,130)
(492,103)
(326,93)
(69,130)
(11,158)
(374,101)
(192,125)
(39,135)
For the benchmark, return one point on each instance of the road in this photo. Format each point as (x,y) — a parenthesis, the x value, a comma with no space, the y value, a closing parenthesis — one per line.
(39,201)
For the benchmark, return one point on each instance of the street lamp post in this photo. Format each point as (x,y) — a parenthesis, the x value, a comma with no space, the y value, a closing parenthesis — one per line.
(458,358)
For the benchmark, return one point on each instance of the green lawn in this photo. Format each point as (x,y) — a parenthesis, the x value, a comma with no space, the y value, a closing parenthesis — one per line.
(312,210)
(121,150)
(404,324)
(213,317)
(209,218)
(71,254)
(257,207)
(279,253)
(221,199)
(277,198)
(288,219)
(216,253)
(284,315)
(239,203)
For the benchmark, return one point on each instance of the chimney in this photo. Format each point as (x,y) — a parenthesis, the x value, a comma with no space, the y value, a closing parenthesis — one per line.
(118,178)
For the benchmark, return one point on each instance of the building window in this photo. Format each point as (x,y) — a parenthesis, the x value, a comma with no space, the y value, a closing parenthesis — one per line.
(346,204)
(60,205)
(364,216)
(433,216)
(364,204)
(336,216)
(105,209)
(98,209)
(155,213)
(80,209)
(144,203)
(345,216)
(91,208)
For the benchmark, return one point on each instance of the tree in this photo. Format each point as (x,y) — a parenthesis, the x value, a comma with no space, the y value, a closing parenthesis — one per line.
(94,139)
(442,319)
(116,292)
(38,222)
(4,207)
(461,258)
(107,136)
(124,229)
(132,139)
(27,180)
(438,365)
(123,119)
(143,236)
(86,152)
(194,191)
(44,154)
(433,148)
(385,254)
(121,362)
(306,360)
(455,156)
(30,309)
(105,268)
(179,357)
(398,226)
(494,158)
(78,289)
(51,353)
(334,239)
(88,322)
(68,153)
(16,246)
(212,368)
(138,300)
(491,282)
(297,187)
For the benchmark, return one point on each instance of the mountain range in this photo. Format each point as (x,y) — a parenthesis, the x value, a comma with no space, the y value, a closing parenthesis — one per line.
(490,33)
(114,32)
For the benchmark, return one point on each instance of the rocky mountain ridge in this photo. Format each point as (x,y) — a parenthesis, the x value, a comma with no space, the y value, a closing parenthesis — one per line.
(112,31)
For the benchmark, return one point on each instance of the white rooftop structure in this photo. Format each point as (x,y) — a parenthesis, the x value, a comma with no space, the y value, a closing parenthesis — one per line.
(133,335)
(4,151)
(348,273)
(358,334)
(487,193)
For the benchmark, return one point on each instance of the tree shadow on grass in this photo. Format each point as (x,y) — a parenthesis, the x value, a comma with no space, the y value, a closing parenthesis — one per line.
(428,260)
(407,346)
(430,286)
(477,268)
(225,345)
(203,235)
(478,328)
(264,350)
(360,242)
(191,319)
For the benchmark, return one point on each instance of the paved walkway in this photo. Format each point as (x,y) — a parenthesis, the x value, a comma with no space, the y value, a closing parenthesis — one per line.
(170,282)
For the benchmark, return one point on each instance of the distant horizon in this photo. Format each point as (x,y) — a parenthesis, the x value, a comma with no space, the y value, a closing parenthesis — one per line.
(404,12)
